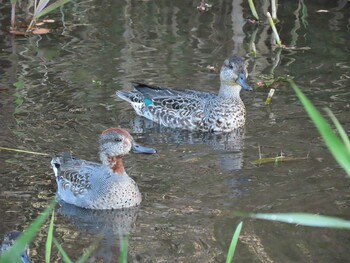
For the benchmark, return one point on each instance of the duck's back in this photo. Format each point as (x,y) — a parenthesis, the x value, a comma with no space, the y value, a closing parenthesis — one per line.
(91,185)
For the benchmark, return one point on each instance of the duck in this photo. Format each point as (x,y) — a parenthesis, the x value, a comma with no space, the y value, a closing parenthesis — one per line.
(104,185)
(192,109)
(8,242)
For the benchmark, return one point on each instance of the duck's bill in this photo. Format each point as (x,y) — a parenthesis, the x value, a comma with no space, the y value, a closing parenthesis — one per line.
(137,148)
(242,80)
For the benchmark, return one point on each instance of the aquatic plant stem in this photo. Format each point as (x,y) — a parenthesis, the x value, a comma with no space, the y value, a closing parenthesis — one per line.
(273,10)
(252,8)
(13,15)
(272,24)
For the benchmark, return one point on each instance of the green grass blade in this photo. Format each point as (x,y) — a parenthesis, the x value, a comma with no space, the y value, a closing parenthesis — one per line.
(49,239)
(124,251)
(15,252)
(88,253)
(64,255)
(40,6)
(50,8)
(335,145)
(234,241)
(340,129)
(305,219)
(252,8)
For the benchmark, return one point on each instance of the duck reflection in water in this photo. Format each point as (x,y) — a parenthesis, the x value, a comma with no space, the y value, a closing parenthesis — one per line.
(228,146)
(109,225)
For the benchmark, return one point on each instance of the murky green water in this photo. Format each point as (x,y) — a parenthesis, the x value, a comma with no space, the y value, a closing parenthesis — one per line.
(194,184)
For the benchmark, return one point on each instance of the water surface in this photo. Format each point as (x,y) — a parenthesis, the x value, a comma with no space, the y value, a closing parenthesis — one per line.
(195,182)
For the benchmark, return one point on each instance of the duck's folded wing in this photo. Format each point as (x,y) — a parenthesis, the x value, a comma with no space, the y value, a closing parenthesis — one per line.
(75,181)
(188,100)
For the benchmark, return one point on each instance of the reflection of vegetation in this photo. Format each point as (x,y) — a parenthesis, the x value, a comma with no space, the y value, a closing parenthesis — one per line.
(40,9)
(304,13)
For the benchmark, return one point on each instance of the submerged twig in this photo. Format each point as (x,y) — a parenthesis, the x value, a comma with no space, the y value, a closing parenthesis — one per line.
(22,151)
(277,159)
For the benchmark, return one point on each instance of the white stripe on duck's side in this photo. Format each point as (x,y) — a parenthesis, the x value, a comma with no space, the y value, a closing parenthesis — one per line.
(195,110)
(100,186)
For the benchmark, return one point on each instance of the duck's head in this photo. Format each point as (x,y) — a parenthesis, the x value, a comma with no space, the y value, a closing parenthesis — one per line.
(116,142)
(234,71)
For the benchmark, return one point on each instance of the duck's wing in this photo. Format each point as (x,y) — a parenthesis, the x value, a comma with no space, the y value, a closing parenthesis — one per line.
(171,98)
(73,174)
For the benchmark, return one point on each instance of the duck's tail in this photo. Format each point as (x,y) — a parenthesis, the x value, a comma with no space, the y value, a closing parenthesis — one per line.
(125,95)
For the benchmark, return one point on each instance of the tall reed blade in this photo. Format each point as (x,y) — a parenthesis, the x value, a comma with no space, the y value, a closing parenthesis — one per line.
(42,4)
(233,244)
(50,8)
(334,144)
(340,129)
(49,239)
(14,253)
(88,253)
(124,251)
(304,219)
(64,255)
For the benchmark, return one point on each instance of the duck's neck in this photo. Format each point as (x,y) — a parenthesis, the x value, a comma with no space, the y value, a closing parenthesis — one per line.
(116,164)
(229,90)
